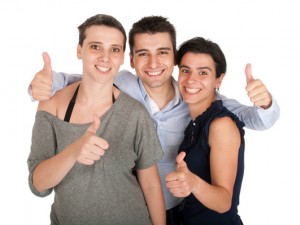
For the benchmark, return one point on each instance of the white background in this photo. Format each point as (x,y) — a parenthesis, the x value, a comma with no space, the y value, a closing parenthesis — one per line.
(264,33)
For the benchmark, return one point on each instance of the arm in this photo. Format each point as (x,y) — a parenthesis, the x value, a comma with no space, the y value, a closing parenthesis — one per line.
(265,111)
(224,141)
(151,186)
(254,117)
(47,169)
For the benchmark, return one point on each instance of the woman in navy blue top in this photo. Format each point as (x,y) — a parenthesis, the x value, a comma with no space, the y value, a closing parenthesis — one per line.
(211,157)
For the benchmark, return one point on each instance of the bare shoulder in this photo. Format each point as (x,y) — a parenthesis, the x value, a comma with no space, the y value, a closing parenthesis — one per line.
(223,130)
(223,123)
(59,102)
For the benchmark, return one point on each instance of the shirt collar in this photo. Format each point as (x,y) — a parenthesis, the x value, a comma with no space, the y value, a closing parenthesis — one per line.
(175,101)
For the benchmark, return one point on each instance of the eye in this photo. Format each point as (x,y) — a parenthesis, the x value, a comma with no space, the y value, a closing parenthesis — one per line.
(142,54)
(202,72)
(184,70)
(163,53)
(95,47)
(116,50)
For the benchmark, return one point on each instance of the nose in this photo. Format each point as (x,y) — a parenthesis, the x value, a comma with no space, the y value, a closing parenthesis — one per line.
(152,62)
(191,78)
(104,56)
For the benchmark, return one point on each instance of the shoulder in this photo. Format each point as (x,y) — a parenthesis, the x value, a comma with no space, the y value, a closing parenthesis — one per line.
(130,101)
(223,131)
(124,77)
(59,102)
(222,123)
(130,105)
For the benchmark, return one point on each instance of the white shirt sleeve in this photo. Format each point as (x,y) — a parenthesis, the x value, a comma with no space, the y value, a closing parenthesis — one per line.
(255,118)
(61,80)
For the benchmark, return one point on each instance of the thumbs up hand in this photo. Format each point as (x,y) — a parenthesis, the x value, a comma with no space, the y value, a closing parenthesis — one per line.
(41,85)
(89,148)
(181,182)
(257,91)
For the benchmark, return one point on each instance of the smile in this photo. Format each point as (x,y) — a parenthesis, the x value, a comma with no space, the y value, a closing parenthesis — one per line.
(157,73)
(192,90)
(103,69)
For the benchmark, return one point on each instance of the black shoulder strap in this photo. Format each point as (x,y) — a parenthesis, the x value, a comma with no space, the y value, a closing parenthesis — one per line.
(71,106)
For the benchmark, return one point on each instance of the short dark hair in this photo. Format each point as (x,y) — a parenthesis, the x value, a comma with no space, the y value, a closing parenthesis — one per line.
(152,25)
(205,46)
(101,19)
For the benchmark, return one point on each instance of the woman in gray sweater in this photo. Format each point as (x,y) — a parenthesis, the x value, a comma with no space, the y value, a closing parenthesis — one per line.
(90,164)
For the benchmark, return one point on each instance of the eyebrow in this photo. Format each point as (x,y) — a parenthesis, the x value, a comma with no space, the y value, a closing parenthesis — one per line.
(198,68)
(159,49)
(99,42)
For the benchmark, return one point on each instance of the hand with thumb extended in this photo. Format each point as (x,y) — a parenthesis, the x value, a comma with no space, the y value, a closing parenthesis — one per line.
(90,147)
(41,85)
(256,90)
(182,181)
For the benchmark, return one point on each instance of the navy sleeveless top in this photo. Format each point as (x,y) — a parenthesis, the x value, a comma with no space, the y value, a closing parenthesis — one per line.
(195,144)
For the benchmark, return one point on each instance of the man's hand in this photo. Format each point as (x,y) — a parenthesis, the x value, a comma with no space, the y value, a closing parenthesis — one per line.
(41,85)
(89,148)
(257,91)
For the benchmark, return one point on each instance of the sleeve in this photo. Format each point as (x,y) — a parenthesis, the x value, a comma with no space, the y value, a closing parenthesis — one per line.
(124,80)
(254,117)
(147,144)
(43,146)
(61,80)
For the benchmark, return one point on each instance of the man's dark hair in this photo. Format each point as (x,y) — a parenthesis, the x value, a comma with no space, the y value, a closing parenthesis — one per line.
(152,25)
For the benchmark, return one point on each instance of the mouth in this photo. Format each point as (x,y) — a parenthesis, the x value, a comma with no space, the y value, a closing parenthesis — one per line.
(103,69)
(192,90)
(154,73)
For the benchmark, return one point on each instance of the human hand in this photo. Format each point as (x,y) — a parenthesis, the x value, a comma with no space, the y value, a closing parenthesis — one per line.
(181,182)
(90,147)
(257,91)
(41,85)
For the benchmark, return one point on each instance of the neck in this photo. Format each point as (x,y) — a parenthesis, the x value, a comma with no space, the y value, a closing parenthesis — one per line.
(162,95)
(95,94)
(199,108)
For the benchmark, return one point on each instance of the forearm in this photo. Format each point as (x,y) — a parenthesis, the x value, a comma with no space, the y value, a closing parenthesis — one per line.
(151,186)
(52,171)
(254,117)
(155,201)
(213,197)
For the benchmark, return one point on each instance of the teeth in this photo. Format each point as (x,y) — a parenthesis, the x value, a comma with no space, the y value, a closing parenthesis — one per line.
(192,90)
(154,73)
(103,69)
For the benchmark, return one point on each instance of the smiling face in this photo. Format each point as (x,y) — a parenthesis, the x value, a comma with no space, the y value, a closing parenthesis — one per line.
(102,53)
(197,81)
(153,59)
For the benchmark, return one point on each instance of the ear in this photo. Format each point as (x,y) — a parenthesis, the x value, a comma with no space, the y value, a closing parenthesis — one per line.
(79,56)
(131,60)
(219,81)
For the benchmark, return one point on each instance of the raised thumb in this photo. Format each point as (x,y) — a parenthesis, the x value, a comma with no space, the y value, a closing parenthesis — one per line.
(47,69)
(95,125)
(248,71)
(180,162)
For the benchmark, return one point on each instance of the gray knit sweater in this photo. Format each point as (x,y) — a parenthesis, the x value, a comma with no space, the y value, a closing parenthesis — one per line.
(106,192)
